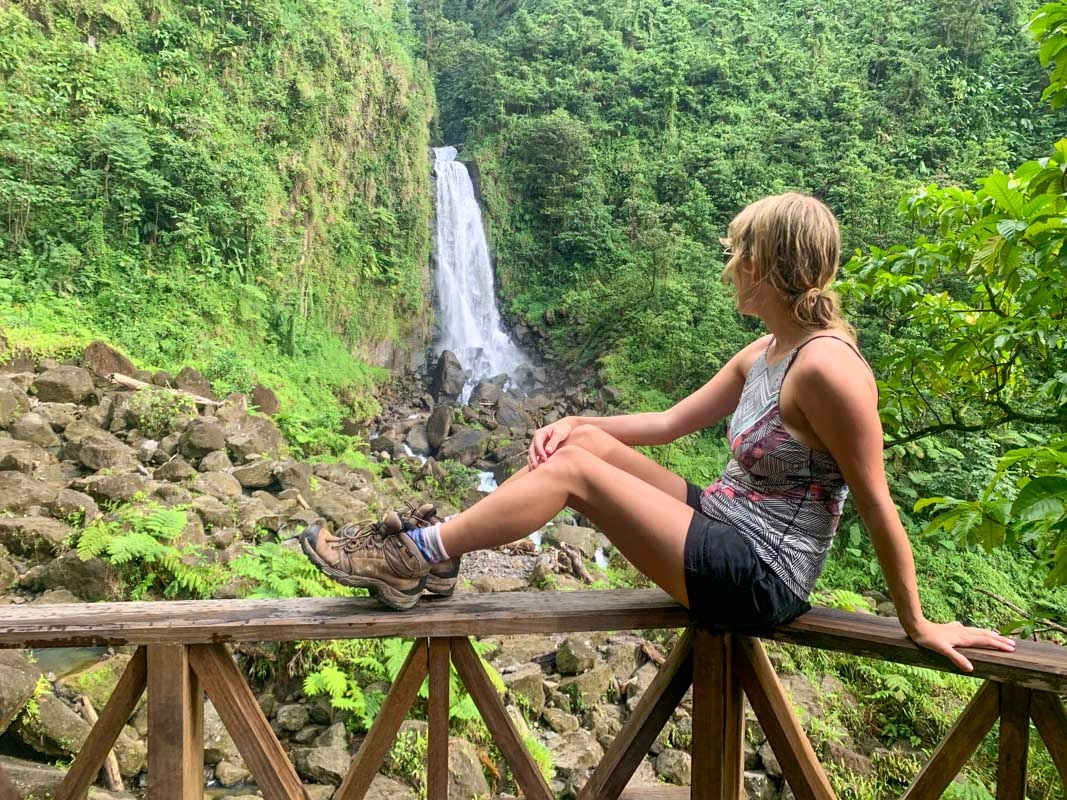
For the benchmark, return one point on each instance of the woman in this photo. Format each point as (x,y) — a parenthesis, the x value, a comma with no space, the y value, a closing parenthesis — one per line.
(746,551)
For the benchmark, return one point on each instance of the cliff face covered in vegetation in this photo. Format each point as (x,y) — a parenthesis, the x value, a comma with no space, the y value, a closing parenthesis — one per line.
(239,184)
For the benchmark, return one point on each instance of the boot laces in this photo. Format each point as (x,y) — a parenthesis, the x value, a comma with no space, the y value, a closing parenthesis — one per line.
(359,537)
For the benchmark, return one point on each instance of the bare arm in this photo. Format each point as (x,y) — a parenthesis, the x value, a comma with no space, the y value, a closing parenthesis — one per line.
(838,399)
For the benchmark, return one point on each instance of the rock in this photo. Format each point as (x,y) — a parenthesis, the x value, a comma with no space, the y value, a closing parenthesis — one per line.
(522,649)
(854,763)
(759,786)
(623,658)
(292,717)
(589,687)
(14,402)
(176,470)
(98,680)
(265,400)
(675,766)
(439,425)
(217,484)
(92,580)
(333,736)
(36,429)
(18,679)
(213,512)
(466,781)
(448,378)
(385,788)
(56,730)
(101,359)
(560,721)
(586,540)
(218,744)
(132,755)
(189,380)
(418,441)
(256,474)
(115,489)
(323,764)
(574,753)
(575,656)
(465,446)
(229,775)
(9,575)
(24,457)
(510,414)
(604,721)
(100,450)
(202,436)
(485,392)
(64,384)
(526,685)
(33,781)
(487,584)
(253,437)
(30,536)
(215,461)
(770,761)
(74,507)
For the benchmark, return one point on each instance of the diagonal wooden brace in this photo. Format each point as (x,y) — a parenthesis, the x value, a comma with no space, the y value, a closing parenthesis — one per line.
(1050,718)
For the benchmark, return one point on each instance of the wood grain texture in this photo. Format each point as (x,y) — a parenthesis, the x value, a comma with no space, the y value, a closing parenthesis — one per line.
(175,726)
(958,745)
(1035,665)
(524,769)
(244,721)
(790,744)
(643,725)
(106,731)
(656,793)
(7,788)
(1050,718)
(709,715)
(383,732)
(733,787)
(1014,745)
(437,744)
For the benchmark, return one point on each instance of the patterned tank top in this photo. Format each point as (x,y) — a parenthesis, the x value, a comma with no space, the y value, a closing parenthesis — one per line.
(784,497)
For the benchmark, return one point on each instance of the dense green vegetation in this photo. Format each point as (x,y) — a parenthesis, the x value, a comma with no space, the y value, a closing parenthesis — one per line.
(241,185)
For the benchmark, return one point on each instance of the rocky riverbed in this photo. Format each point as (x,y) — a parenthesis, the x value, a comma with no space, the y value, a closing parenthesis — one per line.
(77,444)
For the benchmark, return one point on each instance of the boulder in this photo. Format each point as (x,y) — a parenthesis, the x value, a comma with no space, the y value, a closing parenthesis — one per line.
(19,492)
(604,721)
(9,574)
(385,788)
(418,441)
(487,584)
(466,781)
(216,484)
(18,679)
(559,720)
(623,658)
(214,512)
(675,766)
(30,536)
(218,744)
(23,457)
(465,446)
(854,763)
(101,450)
(201,436)
(229,775)
(759,786)
(439,425)
(525,683)
(189,380)
(36,429)
(14,402)
(216,461)
(257,474)
(323,764)
(176,469)
(575,656)
(448,378)
(56,729)
(65,384)
(97,681)
(586,540)
(769,760)
(589,687)
(101,359)
(575,753)
(59,415)
(92,580)
(116,488)
(291,717)
(511,414)
(522,649)
(486,392)
(265,400)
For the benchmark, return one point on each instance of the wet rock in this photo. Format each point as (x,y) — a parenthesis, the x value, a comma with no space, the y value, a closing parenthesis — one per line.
(575,656)
(202,436)
(101,359)
(189,380)
(35,428)
(28,536)
(64,384)
(465,446)
(14,402)
(265,400)
(448,379)
(23,457)
(18,678)
(216,461)
(418,441)
(675,766)
(439,425)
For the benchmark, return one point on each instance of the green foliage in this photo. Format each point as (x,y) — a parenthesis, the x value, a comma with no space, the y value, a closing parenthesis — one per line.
(272,570)
(143,544)
(156,410)
(1049,27)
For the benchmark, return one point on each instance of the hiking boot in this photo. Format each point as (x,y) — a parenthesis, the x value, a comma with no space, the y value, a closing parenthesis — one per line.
(366,556)
(442,577)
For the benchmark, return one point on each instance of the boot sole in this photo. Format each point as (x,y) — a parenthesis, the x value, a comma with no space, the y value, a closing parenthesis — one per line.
(380,590)
(442,587)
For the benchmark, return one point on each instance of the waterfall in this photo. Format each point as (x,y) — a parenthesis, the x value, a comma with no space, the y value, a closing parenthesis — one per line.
(468,321)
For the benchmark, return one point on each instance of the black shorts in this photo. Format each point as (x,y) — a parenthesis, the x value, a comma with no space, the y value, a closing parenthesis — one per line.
(728,585)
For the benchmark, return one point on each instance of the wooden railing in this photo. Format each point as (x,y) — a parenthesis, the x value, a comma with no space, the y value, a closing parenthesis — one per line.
(181,655)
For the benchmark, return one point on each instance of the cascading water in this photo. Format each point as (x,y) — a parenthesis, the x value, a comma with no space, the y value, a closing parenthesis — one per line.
(468,320)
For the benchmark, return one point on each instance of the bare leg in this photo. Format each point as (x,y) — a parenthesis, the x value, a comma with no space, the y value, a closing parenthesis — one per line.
(647,524)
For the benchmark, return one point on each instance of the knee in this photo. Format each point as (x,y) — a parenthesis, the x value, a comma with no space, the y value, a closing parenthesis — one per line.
(592,439)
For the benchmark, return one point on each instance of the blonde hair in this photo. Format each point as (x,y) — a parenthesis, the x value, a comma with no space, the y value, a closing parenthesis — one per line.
(796,246)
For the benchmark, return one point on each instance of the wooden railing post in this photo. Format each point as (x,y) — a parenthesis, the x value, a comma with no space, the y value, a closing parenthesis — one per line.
(175,726)
(718,720)
(1014,744)
(437,743)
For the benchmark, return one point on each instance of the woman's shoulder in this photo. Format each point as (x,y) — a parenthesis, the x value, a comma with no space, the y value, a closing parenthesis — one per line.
(831,358)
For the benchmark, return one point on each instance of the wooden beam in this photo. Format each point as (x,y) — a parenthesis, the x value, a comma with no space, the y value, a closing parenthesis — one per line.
(7,788)
(1051,721)
(775,713)
(175,726)
(437,745)
(733,787)
(383,732)
(524,769)
(958,745)
(718,724)
(113,718)
(643,725)
(1014,745)
(244,720)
